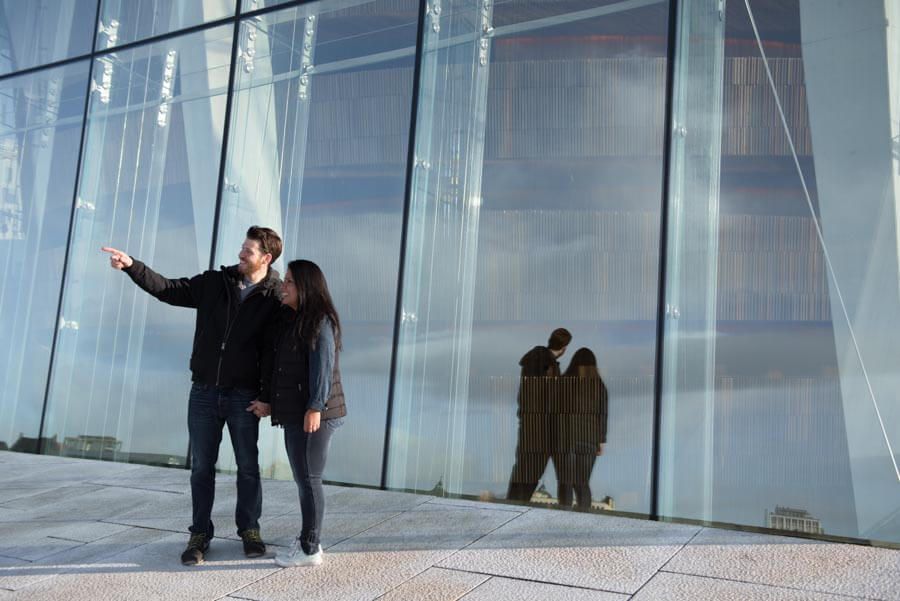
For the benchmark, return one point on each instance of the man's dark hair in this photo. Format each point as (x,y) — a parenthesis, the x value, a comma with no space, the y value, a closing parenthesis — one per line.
(269,241)
(559,339)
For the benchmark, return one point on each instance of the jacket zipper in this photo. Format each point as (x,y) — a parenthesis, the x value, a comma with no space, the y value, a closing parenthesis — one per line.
(229,291)
(230,325)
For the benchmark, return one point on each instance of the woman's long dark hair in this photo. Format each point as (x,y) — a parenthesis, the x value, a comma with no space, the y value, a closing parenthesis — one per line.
(314,303)
(585,360)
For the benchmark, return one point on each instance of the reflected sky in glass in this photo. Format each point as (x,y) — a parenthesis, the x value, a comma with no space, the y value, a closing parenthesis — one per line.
(793,424)
(38,32)
(125,21)
(317,150)
(40,129)
(148,187)
(538,209)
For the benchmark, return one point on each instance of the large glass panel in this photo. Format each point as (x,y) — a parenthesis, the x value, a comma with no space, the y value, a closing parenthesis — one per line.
(147,186)
(40,128)
(124,21)
(535,206)
(781,407)
(251,5)
(318,150)
(38,32)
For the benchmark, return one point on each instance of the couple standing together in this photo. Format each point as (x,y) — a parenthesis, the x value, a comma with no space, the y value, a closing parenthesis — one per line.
(563,418)
(262,347)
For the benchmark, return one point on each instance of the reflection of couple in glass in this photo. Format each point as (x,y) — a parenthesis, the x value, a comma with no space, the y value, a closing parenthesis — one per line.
(562,416)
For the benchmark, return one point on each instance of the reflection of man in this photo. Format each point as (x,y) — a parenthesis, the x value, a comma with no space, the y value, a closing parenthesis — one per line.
(233,306)
(533,448)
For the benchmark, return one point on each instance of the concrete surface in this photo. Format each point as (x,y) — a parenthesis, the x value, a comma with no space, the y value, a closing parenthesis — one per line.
(75,529)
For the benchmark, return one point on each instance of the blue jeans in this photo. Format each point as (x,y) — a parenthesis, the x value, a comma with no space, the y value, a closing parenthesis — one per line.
(307,454)
(209,410)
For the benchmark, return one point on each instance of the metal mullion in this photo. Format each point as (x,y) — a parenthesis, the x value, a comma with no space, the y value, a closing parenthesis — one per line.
(47,66)
(671,47)
(165,36)
(62,285)
(407,199)
(226,129)
(295,3)
(122,47)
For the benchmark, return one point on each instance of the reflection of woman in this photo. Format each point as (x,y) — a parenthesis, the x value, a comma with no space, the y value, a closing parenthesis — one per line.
(582,427)
(304,389)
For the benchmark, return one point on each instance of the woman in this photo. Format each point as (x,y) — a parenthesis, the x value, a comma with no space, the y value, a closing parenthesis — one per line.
(305,395)
(581,429)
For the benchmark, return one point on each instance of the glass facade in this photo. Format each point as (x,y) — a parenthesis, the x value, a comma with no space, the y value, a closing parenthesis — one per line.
(535,205)
(722,245)
(39,32)
(147,183)
(40,129)
(317,150)
(125,21)
(778,387)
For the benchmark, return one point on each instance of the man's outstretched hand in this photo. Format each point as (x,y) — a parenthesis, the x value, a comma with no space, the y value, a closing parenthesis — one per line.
(117,259)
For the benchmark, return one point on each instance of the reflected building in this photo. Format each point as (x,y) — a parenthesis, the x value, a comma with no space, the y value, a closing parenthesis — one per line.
(91,447)
(703,193)
(793,520)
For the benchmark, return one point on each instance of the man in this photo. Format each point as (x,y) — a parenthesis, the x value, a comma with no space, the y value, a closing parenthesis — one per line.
(534,447)
(233,306)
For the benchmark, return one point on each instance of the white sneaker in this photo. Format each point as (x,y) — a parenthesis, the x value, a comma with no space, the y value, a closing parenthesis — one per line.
(294,557)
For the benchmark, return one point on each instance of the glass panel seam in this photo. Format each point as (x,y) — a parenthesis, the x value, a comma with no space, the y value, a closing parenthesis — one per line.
(226,128)
(671,51)
(407,196)
(46,67)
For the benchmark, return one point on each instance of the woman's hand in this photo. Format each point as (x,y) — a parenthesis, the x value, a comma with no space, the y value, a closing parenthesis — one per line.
(312,421)
(260,409)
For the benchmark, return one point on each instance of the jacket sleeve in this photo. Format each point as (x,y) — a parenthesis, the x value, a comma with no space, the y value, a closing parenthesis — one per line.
(182,292)
(267,358)
(321,367)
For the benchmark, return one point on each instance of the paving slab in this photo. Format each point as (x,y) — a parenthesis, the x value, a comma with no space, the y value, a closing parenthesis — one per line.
(31,541)
(436,528)
(176,482)
(34,540)
(106,503)
(21,574)
(76,529)
(26,490)
(336,527)
(153,571)
(173,511)
(381,558)
(576,549)
(43,502)
(797,563)
(478,504)
(681,587)
(8,514)
(436,584)
(506,589)
(71,471)
(355,500)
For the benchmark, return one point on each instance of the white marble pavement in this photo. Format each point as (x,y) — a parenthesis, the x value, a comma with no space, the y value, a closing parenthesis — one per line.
(74,529)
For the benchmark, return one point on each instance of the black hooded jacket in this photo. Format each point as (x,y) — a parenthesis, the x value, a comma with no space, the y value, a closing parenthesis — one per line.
(228,335)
